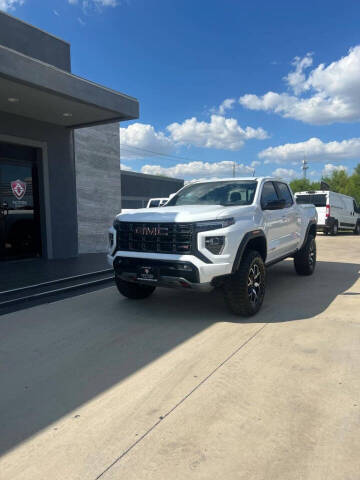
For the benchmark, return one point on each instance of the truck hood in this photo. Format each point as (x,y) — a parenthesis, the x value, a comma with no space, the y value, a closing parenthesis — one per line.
(183,213)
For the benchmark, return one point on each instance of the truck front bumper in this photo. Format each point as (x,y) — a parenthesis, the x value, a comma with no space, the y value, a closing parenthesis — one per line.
(186,271)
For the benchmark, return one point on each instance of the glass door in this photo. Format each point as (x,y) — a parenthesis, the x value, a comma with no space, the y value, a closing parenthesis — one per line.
(19,207)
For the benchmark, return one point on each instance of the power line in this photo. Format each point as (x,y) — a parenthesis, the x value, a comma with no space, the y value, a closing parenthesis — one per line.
(177,157)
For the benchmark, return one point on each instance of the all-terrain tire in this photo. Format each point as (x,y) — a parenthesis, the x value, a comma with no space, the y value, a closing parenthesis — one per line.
(357,229)
(245,289)
(305,258)
(334,229)
(135,291)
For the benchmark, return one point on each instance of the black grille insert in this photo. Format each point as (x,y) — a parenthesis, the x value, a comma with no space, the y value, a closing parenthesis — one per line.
(177,238)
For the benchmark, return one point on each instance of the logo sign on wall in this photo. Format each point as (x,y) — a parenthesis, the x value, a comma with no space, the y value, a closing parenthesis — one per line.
(18,188)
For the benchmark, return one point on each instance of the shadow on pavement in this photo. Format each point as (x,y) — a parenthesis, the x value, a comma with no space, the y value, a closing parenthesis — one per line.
(55,357)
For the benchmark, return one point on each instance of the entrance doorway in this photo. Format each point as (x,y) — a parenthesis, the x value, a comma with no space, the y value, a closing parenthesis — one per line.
(20,230)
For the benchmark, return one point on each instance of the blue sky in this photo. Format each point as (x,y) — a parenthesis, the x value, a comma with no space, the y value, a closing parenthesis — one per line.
(289,72)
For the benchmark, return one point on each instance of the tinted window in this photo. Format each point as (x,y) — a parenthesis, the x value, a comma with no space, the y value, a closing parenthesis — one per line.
(317,200)
(268,194)
(154,203)
(285,194)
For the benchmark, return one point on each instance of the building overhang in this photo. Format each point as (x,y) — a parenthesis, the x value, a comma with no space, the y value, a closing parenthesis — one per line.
(36,90)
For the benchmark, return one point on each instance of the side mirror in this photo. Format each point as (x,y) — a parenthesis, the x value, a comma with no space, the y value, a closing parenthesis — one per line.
(274,205)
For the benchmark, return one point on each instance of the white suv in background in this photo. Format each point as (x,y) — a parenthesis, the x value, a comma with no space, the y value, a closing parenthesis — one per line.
(335,211)
(156,202)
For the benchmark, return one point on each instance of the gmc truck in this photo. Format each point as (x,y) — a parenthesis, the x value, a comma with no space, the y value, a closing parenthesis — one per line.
(214,234)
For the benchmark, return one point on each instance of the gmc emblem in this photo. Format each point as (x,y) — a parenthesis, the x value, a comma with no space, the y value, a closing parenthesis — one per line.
(150,231)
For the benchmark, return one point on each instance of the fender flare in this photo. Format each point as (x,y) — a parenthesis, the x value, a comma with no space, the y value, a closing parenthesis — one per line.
(243,244)
(311,223)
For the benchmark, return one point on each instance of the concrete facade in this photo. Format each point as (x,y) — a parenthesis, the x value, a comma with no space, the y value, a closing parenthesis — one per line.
(97,163)
(33,42)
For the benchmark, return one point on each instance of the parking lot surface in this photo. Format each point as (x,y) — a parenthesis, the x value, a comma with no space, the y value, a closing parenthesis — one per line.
(173,387)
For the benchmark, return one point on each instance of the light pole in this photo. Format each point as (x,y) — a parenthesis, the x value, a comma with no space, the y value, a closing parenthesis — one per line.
(304,167)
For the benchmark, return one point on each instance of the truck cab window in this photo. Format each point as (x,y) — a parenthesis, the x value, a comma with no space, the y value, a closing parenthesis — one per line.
(268,194)
(284,193)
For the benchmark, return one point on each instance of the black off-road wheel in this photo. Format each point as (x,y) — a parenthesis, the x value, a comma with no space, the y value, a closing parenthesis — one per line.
(135,291)
(244,291)
(334,229)
(305,259)
(357,229)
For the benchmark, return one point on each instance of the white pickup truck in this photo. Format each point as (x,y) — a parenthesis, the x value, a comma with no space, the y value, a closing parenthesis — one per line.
(220,233)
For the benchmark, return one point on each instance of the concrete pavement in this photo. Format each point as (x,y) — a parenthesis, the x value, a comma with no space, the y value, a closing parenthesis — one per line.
(97,386)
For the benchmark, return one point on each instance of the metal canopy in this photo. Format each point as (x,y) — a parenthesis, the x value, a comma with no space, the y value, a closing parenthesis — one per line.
(37,90)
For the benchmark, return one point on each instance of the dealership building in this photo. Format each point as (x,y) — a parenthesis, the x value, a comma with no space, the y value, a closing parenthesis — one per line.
(59,148)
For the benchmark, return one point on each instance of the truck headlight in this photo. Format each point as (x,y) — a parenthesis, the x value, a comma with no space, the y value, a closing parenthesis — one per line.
(215,245)
(214,224)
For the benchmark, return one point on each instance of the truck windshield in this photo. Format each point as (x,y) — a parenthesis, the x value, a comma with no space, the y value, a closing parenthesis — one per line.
(319,200)
(232,192)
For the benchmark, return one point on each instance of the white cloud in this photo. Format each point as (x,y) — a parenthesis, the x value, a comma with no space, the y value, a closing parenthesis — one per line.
(126,167)
(220,132)
(142,140)
(255,163)
(106,3)
(199,170)
(326,95)
(81,21)
(142,136)
(314,150)
(94,4)
(227,104)
(296,79)
(286,173)
(7,5)
(329,168)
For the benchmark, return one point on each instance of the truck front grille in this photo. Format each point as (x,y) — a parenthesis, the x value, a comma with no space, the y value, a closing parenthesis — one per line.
(176,238)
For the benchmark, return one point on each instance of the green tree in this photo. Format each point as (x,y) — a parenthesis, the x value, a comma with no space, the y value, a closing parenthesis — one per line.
(353,185)
(338,181)
(300,185)
(303,185)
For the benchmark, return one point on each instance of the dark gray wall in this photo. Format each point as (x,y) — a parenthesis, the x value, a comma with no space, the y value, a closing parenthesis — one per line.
(62,187)
(97,154)
(138,188)
(33,42)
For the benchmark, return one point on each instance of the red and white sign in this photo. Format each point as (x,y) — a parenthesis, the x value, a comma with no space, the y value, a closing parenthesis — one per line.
(18,188)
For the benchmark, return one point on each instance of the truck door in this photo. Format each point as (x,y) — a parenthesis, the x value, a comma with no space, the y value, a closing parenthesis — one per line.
(272,222)
(290,220)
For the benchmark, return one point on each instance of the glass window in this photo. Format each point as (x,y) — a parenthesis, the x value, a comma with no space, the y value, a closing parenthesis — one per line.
(268,194)
(154,203)
(284,193)
(232,192)
(319,200)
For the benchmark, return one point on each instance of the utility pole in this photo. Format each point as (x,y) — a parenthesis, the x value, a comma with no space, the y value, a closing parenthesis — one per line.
(304,167)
